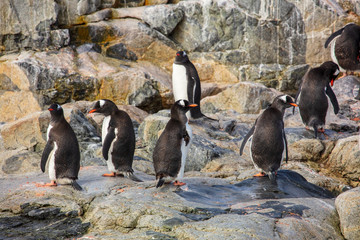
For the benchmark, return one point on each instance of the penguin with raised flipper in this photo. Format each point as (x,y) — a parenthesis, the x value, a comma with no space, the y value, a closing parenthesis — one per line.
(173,144)
(312,96)
(61,151)
(269,145)
(118,139)
(186,84)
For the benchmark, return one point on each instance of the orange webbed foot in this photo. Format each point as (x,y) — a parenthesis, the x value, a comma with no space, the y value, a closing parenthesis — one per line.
(50,184)
(109,174)
(261,174)
(178,183)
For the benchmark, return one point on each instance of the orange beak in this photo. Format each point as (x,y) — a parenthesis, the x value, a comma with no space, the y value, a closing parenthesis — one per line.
(332,82)
(94,110)
(294,104)
(50,109)
(193,105)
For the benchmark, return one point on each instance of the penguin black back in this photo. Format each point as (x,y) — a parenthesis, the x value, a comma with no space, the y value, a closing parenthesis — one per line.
(167,153)
(268,137)
(313,102)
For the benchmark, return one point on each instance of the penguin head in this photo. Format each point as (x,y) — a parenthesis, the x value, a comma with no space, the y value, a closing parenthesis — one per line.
(180,108)
(283,101)
(56,110)
(104,106)
(331,71)
(181,57)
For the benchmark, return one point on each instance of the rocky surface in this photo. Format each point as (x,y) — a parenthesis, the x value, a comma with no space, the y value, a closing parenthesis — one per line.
(204,208)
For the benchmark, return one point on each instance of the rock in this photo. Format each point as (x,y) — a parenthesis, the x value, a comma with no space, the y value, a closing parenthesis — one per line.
(119,51)
(347,206)
(19,161)
(167,17)
(70,12)
(344,159)
(205,208)
(155,2)
(18,33)
(244,97)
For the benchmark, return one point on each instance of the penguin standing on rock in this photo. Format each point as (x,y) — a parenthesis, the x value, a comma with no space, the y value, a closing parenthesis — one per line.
(118,139)
(61,150)
(312,95)
(269,144)
(345,48)
(171,149)
(186,84)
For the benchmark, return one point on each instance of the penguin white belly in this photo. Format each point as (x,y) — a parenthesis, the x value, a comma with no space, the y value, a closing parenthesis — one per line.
(48,132)
(255,165)
(109,162)
(179,82)
(105,126)
(184,151)
(333,56)
(52,172)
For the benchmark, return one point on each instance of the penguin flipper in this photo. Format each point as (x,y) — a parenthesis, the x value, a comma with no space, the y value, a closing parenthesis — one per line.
(45,155)
(246,138)
(76,186)
(332,36)
(107,142)
(286,147)
(296,98)
(333,99)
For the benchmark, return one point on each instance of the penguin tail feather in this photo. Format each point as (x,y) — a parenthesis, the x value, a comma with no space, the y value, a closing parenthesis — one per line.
(133,177)
(160,182)
(76,186)
(272,176)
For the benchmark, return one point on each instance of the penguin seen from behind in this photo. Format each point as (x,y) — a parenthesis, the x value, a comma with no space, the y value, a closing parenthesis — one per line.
(118,139)
(186,84)
(269,145)
(312,96)
(61,151)
(172,146)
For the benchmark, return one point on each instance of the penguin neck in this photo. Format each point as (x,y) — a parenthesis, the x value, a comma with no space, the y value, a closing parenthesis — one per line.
(57,118)
(280,109)
(179,117)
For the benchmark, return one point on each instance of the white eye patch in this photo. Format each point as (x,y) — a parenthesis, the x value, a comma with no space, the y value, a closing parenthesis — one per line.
(182,103)
(283,98)
(58,107)
(184,53)
(337,72)
(102,102)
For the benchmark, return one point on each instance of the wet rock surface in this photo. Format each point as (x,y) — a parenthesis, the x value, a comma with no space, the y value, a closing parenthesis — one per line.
(204,207)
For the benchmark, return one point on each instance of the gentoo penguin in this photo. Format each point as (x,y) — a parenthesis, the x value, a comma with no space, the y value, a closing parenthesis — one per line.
(345,48)
(171,149)
(186,84)
(118,139)
(61,150)
(313,103)
(268,138)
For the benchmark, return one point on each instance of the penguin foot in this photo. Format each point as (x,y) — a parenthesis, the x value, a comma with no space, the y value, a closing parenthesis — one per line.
(321,130)
(50,184)
(109,174)
(260,174)
(178,183)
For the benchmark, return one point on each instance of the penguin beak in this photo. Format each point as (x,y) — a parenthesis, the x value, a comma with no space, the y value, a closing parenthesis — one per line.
(193,105)
(294,104)
(50,109)
(178,54)
(91,111)
(332,82)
